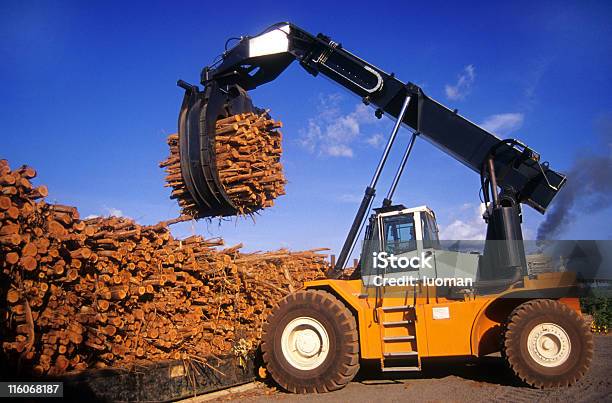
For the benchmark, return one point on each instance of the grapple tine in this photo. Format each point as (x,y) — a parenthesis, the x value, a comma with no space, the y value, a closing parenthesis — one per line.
(199,113)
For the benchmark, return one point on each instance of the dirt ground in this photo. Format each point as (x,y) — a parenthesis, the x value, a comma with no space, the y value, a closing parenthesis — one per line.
(486,379)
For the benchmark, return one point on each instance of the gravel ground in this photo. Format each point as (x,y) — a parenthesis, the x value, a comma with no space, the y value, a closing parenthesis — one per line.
(486,379)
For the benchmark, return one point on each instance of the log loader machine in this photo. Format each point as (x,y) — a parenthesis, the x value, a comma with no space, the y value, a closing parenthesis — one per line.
(315,339)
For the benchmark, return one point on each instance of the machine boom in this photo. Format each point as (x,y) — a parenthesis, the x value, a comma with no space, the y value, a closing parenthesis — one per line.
(257,60)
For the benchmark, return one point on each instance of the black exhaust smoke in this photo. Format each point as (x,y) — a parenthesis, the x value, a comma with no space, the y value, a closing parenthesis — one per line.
(589,186)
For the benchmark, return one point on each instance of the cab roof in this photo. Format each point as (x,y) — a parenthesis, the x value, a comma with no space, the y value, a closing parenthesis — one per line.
(401,209)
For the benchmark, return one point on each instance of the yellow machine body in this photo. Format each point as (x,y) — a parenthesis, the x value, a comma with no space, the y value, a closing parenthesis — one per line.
(437,326)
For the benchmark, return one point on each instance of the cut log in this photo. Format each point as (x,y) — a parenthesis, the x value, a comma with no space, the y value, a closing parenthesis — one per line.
(28,262)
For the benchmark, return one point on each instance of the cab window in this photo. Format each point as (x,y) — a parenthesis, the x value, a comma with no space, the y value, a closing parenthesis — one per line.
(399,234)
(430,233)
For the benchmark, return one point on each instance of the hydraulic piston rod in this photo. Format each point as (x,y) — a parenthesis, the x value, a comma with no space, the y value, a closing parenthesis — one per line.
(400,170)
(368,196)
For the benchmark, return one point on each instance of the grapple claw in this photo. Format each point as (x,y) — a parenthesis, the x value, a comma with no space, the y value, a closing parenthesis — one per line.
(199,113)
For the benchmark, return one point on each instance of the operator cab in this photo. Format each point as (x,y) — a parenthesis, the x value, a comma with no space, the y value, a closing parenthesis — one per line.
(410,234)
(402,228)
(400,232)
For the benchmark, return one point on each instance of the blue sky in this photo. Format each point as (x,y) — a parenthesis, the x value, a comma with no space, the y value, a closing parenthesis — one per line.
(89,96)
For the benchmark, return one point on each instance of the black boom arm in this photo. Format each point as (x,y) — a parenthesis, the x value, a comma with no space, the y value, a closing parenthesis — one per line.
(257,60)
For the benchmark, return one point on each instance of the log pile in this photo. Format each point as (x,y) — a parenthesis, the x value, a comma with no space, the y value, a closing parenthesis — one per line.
(107,291)
(248,151)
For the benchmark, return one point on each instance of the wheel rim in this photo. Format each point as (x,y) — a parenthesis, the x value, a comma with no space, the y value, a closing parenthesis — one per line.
(549,345)
(305,343)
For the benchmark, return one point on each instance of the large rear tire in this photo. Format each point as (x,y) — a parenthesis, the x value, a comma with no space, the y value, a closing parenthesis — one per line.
(310,343)
(547,344)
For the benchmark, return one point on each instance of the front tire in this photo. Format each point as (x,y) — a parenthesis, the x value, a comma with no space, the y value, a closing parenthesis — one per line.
(547,344)
(310,343)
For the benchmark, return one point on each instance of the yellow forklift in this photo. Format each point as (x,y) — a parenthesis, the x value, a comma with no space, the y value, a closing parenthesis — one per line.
(410,298)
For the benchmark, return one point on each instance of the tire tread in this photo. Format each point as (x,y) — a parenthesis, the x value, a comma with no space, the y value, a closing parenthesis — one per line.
(511,350)
(339,373)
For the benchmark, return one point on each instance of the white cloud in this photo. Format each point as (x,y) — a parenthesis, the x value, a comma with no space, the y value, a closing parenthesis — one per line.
(464,84)
(339,150)
(333,133)
(376,140)
(473,228)
(466,206)
(350,198)
(503,123)
(532,76)
(115,212)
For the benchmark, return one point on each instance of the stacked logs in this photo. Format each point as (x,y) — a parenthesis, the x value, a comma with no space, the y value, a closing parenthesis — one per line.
(107,291)
(248,151)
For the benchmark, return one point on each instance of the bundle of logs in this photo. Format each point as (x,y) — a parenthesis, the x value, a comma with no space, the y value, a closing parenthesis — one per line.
(107,291)
(248,151)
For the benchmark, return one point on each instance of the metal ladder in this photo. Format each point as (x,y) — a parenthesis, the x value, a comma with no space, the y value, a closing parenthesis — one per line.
(398,338)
